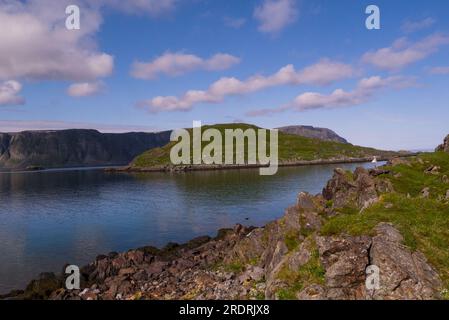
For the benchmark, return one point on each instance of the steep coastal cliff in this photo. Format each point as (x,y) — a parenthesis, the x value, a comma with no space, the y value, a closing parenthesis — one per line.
(77,147)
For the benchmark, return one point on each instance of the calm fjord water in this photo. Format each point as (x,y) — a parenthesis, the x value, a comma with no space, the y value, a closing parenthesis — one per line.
(51,218)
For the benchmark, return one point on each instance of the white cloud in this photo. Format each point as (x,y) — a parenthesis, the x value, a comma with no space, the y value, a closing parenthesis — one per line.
(322,73)
(366,87)
(413,26)
(363,92)
(439,70)
(403,53)
(36,45)
(84,89)
(9,91)
(175,64)
(235,23)
(275,15)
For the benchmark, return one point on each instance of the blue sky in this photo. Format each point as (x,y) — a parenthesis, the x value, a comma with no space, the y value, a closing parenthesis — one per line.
(384,88)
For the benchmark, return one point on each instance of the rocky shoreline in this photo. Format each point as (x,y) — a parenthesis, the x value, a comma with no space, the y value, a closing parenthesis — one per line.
(289,258)
(187,168)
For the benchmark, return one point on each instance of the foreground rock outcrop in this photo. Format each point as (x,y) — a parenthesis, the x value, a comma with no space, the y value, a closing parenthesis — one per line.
(444,146)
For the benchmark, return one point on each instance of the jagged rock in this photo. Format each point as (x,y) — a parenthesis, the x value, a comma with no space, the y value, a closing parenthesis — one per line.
(291,261)
(403,275)
(311,220)
(249,248)
(345,188)
(276,258)
(300,256)
(345,260)
(305,201)
(366,188)
(340,189)
(291,220)
(445,146)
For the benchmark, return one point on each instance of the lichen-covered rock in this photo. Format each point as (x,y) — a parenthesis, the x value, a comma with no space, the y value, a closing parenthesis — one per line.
(346,188)
(445,146)
(345,260)
(341,189)
(366,188)
(403,274)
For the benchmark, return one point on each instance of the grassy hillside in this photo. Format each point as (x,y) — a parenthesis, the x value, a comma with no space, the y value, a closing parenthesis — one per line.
(291,148)
(422,217)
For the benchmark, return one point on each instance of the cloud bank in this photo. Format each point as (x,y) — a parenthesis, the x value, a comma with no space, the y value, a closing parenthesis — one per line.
(35,44)
(363,92)
(403,53)
(39,47)
(175,64)
(322,73)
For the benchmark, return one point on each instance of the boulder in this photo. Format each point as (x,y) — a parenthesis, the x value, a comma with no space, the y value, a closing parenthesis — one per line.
(445,146)
(366,188)
(340,189)
(403,274)
(345,259)
(345,188)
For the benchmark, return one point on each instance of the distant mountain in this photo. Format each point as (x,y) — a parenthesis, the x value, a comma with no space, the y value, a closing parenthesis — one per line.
(76,147)
(313,132)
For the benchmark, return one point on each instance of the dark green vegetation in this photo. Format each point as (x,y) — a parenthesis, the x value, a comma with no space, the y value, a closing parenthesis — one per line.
(292,148)
(421,216)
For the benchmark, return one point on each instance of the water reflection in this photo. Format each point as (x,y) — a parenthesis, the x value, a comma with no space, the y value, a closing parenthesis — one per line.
(51,218)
